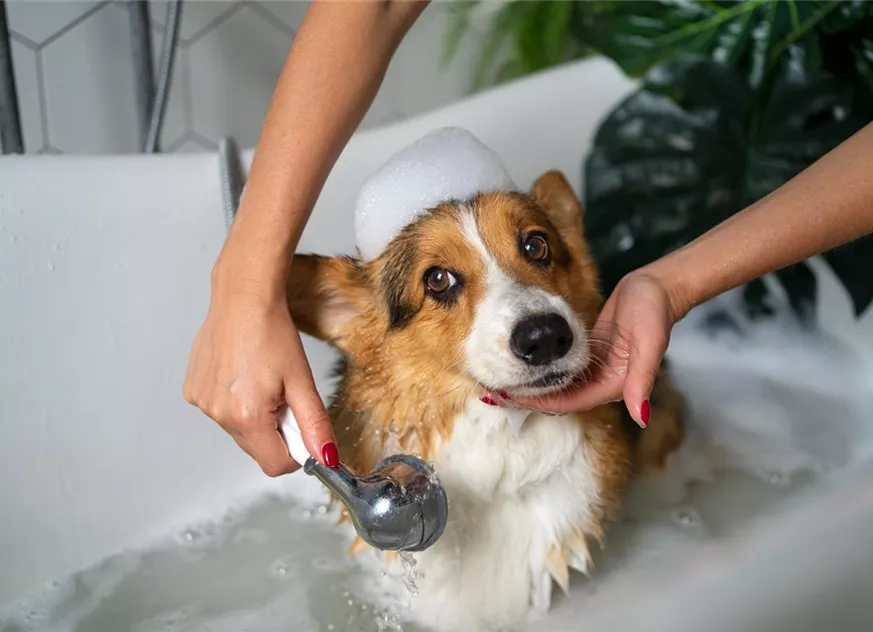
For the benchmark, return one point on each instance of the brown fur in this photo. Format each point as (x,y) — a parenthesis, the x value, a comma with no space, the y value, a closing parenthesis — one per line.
(402,376)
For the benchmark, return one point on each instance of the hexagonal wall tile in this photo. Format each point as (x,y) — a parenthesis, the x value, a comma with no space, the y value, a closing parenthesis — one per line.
(197,15)
(233,73)
(89,82)
(289,12)
(176,118)
(192,144)
(25,67)
(38,21)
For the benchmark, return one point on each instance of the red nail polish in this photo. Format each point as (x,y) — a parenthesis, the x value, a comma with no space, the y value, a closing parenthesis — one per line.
(485,399)
(645,411)
(330,455)
(503,395)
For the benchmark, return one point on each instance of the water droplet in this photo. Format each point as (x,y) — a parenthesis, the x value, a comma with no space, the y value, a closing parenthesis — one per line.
(307,514)
(346,594)
(775,478)
(351,602)
(189,536)
(279,569)
(687,517)
(322,509)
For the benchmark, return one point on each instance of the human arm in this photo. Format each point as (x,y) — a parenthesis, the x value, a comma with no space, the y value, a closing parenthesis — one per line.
(825,206)
(247,359)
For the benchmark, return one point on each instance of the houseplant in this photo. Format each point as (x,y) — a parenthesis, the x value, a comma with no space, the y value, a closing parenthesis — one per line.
(735,99)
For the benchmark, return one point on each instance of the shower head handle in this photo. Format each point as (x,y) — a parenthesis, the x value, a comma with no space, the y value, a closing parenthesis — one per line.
(399,506)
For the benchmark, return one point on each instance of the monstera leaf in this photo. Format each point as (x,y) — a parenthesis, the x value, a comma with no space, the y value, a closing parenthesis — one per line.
(637,34)
(750,35)
(695,145)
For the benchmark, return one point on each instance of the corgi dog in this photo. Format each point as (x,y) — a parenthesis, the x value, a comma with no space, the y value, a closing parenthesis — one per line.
(497,293)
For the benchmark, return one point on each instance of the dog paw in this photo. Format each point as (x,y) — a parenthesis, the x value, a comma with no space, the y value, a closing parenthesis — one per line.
(577,554)
(571,553)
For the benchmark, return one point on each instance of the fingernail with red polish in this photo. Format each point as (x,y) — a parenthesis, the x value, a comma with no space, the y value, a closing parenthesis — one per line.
(330,455)
(485,399)
(645,411)
(503,395)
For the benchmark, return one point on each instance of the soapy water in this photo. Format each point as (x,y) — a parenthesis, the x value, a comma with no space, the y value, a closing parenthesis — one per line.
(771,414)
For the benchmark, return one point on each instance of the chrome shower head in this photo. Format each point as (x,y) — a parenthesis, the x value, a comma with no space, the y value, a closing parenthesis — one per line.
(399,506)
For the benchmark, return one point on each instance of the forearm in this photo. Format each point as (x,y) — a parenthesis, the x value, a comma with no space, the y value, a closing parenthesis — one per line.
(332,74)
(827,205)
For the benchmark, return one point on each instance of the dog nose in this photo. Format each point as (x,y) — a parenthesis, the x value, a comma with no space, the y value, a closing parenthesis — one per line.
(541,339)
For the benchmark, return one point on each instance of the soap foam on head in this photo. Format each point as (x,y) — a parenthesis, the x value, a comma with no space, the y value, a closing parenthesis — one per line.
(445,164)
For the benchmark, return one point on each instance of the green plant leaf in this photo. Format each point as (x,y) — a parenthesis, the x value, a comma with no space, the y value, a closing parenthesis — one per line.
(458,24)
(531,43)
(639,34)
(846,16)
(502,27)
(681,154)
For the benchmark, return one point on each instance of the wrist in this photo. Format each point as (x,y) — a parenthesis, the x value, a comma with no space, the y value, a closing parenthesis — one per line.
(256,256)
(245,269)
(669,274)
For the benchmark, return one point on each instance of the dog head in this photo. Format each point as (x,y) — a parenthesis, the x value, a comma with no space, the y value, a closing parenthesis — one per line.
(494,293)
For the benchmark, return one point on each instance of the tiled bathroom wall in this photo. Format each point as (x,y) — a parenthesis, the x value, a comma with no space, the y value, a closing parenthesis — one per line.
(75,77)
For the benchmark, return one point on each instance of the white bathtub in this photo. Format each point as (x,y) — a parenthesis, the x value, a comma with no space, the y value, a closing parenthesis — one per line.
(104,280)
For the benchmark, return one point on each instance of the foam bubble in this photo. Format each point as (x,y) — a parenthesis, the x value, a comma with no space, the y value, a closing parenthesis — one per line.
(446,164)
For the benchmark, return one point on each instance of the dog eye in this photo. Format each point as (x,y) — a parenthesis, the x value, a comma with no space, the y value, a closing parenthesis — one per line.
(536,248)
(439,280)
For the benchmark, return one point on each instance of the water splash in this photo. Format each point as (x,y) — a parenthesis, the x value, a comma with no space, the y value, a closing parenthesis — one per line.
(411,577)
(388,620)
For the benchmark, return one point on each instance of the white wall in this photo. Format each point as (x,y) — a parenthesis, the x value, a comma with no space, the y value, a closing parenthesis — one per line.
(73,66)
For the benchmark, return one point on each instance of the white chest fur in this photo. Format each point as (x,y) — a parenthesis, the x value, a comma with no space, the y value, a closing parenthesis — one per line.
(513,498)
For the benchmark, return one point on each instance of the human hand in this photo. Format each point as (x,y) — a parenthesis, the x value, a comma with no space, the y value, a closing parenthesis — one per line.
(247,361)
(628,343)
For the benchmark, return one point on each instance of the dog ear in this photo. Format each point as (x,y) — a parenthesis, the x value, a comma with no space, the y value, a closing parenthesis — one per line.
(325,296)
(556,198)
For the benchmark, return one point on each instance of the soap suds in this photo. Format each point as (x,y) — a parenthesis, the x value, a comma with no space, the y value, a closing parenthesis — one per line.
(446,164)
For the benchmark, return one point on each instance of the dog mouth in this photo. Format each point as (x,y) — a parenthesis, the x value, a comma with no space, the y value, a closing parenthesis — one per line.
(550,382)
